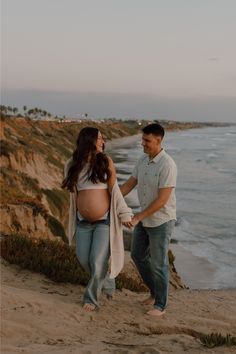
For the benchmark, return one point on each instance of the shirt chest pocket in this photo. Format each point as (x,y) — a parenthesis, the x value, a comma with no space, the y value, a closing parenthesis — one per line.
(150,177)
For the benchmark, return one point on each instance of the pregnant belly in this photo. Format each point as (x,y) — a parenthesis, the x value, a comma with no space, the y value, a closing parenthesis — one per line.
(92,204)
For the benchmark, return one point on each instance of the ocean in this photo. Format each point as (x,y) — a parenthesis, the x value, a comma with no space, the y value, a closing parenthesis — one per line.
(206,195)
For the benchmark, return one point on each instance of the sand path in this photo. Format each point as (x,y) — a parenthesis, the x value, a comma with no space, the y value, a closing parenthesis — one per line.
(40,316)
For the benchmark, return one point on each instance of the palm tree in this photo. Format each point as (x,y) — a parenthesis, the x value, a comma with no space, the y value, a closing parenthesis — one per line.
(15,110)
(30,111)
(3,108)
(9,109)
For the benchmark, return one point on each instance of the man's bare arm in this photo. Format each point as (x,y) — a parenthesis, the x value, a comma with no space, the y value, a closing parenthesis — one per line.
(157,204)
(128,185)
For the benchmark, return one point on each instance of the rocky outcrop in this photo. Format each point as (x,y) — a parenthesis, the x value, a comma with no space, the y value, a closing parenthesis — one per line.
(22,219)
(34,165)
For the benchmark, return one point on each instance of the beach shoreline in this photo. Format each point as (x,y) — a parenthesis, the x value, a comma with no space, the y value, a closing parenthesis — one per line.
(195,272)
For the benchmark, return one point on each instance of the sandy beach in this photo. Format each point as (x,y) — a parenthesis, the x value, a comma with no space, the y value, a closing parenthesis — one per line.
(40,316)
(195,272)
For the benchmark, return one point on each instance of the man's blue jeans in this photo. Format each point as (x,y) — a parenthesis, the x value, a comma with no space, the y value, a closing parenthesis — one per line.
(93,252)
(149,251)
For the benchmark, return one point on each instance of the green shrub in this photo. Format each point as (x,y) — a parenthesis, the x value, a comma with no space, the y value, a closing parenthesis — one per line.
(124,281)
(217,339)
(56,227)
(30,183)
(20,181)
(56,259)
(6,148)
(62,150)
(171,257)
(23,142)
(52,160)
(57,199)
(35,205)
(10,195)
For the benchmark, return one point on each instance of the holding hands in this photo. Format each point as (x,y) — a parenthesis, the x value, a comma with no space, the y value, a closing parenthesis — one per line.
(134,221)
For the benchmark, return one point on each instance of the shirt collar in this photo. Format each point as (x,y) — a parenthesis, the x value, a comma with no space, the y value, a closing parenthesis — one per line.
(157,157)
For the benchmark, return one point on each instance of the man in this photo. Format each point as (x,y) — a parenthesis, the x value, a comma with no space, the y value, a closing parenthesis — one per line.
(155,176)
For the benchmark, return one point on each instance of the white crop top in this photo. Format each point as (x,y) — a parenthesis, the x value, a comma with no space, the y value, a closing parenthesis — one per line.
(84,183)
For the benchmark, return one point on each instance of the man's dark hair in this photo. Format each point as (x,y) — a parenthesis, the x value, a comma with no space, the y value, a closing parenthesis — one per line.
(155,129)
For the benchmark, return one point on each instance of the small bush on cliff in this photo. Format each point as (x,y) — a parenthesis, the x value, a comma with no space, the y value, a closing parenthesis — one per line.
(217,339)
(62,149)
(23,142)
(56,259)
(9,194)
(57,199)
(56,227)
(125,281)
(18,183)
(54,161)
(171,257)
(6,148)
(36,206)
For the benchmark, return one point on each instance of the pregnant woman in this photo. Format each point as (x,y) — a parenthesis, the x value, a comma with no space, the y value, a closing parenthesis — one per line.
(97,211)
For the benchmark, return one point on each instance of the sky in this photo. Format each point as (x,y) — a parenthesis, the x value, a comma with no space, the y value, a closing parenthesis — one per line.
(163,59)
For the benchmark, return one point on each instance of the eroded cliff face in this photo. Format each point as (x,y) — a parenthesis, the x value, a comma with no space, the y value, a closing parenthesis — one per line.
(22,219)
(31,175)
(33,154)
(35,166)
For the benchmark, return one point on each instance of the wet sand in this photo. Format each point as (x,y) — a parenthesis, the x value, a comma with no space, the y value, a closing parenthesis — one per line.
(195,272)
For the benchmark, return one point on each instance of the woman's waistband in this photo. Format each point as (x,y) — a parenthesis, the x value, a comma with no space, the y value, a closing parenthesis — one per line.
(104,219)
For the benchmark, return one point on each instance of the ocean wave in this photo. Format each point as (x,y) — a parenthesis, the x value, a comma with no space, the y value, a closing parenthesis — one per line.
(212,155)
(230,133)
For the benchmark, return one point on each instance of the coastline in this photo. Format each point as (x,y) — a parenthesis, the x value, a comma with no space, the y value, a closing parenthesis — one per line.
(122,141)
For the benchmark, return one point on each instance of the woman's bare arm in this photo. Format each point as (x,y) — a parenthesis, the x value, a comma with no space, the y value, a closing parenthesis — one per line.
(112,179)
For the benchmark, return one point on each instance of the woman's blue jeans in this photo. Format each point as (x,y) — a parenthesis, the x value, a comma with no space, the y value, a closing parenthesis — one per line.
(93,252)
(149,251)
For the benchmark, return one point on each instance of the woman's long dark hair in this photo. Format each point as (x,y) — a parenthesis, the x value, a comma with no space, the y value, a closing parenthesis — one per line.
(98,170)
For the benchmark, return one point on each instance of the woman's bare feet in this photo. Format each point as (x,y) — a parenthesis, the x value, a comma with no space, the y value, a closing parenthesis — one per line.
(149,301)
(156,312)
(89,307)
(109,297)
